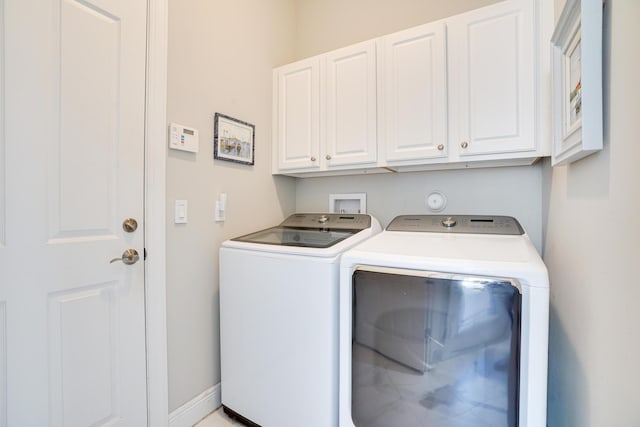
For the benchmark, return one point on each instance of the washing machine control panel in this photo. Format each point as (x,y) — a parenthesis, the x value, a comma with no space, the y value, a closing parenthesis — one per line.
(328,221)
(469,224)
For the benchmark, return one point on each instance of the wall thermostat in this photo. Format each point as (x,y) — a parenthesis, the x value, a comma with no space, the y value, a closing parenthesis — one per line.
(183,138)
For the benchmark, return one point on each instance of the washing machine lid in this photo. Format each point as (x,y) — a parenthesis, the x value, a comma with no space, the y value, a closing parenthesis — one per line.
(310,230)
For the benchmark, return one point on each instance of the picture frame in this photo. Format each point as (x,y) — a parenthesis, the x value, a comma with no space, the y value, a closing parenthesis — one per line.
(576,79)
(233,140)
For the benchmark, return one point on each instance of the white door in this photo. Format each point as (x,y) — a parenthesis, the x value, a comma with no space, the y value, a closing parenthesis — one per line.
(298,121)
(492,79)
(414,93)
(350,110)
(72,333)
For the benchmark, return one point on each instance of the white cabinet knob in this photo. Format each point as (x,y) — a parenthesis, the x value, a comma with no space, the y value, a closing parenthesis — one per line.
(464,144)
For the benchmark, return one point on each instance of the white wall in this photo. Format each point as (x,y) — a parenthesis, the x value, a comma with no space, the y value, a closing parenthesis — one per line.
(325,25)
(220,58)
(330,24)
(592,251)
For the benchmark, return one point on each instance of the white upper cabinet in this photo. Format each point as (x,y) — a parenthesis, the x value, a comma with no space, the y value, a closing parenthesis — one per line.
(471,90)
(326,111)
(492,79)
(350,109)
(297,122)
(413,94)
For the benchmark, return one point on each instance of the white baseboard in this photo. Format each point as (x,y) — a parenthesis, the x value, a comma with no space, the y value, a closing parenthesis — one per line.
(197,408)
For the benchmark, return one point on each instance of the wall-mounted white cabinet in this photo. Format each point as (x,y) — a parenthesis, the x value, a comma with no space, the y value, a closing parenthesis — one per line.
(492,74)
(413,94)
(350,109)
(465,91)
(297,117)
(326,111)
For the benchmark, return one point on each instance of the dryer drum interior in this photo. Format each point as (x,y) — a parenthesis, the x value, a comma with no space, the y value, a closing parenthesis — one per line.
(435,350)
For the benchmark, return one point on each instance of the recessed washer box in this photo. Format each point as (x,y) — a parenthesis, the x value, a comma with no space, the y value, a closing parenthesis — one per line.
(355,203)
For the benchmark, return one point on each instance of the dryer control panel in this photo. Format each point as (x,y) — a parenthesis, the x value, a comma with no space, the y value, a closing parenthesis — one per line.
(469,224)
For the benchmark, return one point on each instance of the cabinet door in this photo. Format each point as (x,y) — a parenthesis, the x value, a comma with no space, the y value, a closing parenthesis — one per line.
(493,79)
(413,93)
(298,115)
(350,108)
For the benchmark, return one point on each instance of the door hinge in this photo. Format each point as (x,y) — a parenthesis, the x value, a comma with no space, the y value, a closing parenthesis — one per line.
(144,251)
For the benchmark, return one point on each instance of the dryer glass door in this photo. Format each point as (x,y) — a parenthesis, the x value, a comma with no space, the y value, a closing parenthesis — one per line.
(434,350)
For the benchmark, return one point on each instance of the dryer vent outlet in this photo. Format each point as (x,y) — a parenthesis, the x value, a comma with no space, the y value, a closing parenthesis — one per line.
(436,201)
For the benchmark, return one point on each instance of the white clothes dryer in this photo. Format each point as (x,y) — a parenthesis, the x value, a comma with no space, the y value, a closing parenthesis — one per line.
(444,322)
(279,319)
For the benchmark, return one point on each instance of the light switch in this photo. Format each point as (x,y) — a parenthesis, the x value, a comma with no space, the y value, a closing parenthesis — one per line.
(221,207)
(181,212)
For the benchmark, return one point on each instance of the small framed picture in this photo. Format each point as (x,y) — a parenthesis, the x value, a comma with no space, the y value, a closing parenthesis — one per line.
(233,140)
(576,76)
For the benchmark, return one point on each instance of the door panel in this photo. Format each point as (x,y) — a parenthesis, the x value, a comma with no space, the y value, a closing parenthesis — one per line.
(414,93)
(83,358)
(72,333)
(351,105)
(89,72)
(494,69)
(494,83)
(298,115)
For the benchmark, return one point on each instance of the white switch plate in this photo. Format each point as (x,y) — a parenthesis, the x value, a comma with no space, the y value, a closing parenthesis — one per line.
(181,212)
(221,207)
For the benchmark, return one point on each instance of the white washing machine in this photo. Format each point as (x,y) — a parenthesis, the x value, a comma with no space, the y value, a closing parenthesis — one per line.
(444,322)
(279,319)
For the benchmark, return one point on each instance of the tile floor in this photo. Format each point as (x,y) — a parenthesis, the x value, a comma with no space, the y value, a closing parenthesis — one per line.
(218,419)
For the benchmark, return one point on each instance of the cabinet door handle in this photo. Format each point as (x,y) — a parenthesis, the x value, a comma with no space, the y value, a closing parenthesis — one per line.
(464,144)
(440,147)
(328,157)
(313,159)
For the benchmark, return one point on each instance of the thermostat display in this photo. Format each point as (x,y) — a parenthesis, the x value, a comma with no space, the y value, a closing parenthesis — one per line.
(182,138)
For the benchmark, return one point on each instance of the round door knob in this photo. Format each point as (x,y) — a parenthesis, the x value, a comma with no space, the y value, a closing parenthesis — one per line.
(328,157)
(464,144)
(313,159)
(129,257)
(440,147)
(130,225)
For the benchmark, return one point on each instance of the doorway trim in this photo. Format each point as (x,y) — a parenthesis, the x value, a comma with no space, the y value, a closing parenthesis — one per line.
(155,214)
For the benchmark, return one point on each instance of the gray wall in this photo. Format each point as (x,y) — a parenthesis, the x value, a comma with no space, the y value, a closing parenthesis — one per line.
(592,251)
(514,191)
(220,58)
